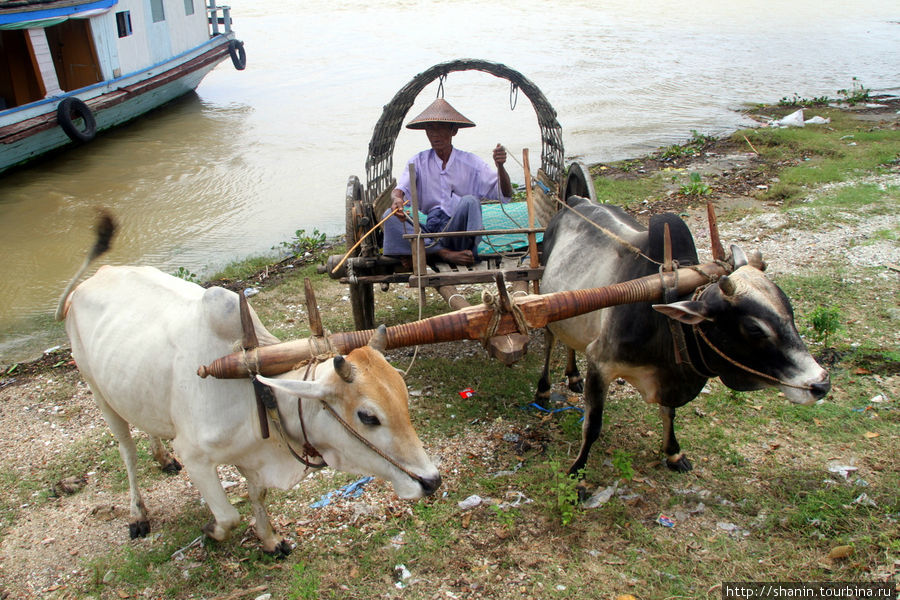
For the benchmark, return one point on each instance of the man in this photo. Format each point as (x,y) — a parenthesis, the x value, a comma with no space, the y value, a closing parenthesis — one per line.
(450,184)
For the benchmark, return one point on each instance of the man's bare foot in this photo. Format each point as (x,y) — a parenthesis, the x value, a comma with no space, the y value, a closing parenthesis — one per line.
(456,257)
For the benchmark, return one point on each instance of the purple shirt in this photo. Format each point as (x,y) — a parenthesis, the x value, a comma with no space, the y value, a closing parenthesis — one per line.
(464,175)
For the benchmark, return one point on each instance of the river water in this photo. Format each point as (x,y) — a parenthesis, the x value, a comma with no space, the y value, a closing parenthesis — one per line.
(254,156)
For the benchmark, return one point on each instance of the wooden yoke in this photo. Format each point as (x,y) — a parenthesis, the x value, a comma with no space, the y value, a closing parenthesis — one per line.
(473,322)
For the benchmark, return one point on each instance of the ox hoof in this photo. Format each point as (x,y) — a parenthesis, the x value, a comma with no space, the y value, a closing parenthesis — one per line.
(281,550)
(583,491)
(172,467)
(541,397)
(214,531)
(577,386)
(679,464)
(139,529)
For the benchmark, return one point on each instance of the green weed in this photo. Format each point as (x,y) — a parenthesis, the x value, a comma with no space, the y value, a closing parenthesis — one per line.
(303,244)
(564,492)
(187,275)
(696,186)
(825,321)
(856,94)
(622,461)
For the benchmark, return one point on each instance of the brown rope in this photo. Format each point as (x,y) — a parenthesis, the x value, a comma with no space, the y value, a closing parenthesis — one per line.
(626,244)
(745,367)
(698,331)
(371,446)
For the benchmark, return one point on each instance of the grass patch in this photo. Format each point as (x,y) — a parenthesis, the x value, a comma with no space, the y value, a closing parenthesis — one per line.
(627,192)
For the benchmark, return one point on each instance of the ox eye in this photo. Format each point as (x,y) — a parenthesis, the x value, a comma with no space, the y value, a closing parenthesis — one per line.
(754,330)
(367,418)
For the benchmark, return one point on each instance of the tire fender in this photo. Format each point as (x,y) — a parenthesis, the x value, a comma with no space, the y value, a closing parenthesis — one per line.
(238,54)
(70,109)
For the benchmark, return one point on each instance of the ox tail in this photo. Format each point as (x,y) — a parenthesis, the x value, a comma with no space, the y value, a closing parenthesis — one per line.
(106,229)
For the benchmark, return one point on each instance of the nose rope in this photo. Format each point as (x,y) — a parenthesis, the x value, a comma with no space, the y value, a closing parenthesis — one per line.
(772,378)
(309,449)
(699,332)
(420,480)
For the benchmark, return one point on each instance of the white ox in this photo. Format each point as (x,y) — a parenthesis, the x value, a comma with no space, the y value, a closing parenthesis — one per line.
(138,336)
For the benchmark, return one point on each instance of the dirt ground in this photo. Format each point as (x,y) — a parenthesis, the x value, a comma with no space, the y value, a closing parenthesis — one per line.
(45,407)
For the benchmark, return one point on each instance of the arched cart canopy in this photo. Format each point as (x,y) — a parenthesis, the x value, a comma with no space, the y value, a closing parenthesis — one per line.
(379,164)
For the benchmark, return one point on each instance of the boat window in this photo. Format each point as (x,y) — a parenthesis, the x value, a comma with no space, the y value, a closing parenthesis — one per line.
(156,11)
(123,23)
(188,7)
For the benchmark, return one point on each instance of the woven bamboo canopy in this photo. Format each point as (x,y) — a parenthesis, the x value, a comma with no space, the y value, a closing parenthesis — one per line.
(379,163)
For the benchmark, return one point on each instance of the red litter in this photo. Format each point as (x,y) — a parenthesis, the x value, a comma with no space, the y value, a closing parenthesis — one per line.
(467,393)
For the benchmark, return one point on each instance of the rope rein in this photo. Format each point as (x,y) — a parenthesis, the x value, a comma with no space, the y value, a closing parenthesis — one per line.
(626,244)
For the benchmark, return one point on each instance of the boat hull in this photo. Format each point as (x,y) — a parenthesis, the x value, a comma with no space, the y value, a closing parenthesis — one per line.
(31,131)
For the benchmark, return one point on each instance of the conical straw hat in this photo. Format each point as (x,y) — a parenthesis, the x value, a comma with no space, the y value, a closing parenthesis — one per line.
(439,111)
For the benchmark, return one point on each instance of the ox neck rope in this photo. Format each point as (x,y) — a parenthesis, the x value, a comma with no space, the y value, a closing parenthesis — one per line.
(309,451)
(698,332)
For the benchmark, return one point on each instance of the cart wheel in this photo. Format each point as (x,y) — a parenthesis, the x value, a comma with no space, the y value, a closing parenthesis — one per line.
(362,295)
(579,183)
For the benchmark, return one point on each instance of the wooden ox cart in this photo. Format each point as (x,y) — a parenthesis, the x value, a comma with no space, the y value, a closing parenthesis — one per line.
(503,315)
(504,320)
(364,265)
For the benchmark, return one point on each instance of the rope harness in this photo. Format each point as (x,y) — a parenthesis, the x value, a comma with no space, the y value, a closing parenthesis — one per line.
(699,334)
(264,394)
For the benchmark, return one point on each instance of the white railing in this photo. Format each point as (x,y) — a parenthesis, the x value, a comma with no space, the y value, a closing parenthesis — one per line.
(215,20)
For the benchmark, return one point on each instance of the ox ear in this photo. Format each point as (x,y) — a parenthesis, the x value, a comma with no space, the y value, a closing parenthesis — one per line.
(688,311)
(378,341)
(294,387)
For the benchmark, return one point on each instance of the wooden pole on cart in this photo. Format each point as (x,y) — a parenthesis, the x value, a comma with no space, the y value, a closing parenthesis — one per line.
(532,237)
(418,246)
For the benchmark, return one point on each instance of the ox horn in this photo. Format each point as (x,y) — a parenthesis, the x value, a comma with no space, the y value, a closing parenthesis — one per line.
(378,341)
(343,368)
(727,285)
(738,257)
(756,260)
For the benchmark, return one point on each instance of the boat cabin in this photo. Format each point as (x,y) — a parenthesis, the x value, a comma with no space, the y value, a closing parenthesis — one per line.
(49,47)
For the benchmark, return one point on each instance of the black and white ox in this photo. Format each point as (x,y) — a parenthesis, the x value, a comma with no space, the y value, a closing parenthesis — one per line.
(138,336)
(740,330)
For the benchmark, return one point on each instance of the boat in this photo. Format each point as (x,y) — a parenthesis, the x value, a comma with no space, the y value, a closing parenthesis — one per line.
(70,69)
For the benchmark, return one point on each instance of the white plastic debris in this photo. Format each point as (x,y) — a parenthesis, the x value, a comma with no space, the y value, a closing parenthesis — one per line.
(842,470)
(601,496)
(795,119)
(864,500)
(401,574)
(817,120)
(470,502)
